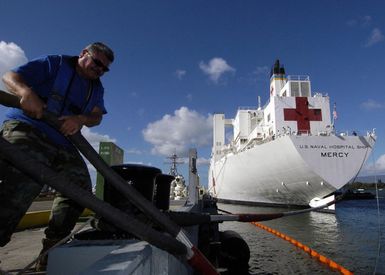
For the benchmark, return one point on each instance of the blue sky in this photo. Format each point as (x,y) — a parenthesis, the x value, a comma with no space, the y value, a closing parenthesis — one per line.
(178,62)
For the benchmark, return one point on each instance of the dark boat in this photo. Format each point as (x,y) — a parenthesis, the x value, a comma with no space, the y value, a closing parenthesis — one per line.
(358,194)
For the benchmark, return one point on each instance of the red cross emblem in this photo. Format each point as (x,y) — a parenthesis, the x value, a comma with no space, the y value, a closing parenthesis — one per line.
(302,114)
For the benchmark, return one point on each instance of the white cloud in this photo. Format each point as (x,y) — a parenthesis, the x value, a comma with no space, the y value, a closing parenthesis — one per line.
(366,20)
(262,70)
(141,112)
(380,163)
(94,138)
(375,37)
(133,151)
(216,68)
(179,132)
(362,21)
(200,161)
(203,161)
(371,104)
(11,55)
(261,73)
(180,73)
(376,168)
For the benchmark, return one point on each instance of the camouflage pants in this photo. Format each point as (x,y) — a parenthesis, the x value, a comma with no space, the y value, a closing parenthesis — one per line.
(17,191)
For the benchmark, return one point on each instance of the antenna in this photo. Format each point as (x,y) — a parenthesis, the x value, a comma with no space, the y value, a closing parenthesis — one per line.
(174,162)
(259,103)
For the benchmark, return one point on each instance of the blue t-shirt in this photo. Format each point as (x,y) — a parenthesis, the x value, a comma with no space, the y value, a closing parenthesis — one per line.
(40,74)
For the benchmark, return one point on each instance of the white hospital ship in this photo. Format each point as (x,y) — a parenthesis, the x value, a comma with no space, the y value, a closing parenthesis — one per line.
(287,152)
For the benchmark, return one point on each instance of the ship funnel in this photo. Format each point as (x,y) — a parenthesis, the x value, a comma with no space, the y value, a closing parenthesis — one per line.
(277,69)
(277,78)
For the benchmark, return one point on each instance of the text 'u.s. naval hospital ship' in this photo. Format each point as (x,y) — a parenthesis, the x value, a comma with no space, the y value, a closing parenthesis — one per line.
(286,153)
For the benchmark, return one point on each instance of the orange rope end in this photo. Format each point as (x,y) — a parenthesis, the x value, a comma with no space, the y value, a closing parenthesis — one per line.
(345,271)
(201,264)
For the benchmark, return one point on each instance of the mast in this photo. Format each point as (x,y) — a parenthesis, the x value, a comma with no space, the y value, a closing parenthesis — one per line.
(174,162)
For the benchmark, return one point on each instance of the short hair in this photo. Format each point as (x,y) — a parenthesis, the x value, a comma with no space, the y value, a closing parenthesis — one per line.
(101,48)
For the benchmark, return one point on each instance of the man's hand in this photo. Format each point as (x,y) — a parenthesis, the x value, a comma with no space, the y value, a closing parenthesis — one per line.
(71,124)
(31,104)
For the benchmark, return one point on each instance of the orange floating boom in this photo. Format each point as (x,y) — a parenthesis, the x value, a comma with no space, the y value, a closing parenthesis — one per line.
(321,258)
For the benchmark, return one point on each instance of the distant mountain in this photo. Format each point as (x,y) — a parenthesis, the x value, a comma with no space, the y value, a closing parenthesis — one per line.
(370,179)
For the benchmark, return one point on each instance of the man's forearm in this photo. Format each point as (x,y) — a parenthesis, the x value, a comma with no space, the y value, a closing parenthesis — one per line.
(15,84)
(30,102)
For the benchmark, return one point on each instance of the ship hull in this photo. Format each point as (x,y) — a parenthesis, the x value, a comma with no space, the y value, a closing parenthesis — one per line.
(291,170)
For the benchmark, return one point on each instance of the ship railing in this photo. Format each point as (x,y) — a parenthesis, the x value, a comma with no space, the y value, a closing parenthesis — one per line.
(301,133)
(320,94)
(254,142)
(328,132)
(235,141)
(346,133)
(371,133)
(258,141)
(298,78)
(353,133)
(254,107)
(228,148)
(247,108)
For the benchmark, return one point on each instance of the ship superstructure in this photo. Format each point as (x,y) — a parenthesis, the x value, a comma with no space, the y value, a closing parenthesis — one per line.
(286,152)
(178,189)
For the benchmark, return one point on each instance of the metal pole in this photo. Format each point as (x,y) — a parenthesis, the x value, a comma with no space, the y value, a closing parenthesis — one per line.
(193,193)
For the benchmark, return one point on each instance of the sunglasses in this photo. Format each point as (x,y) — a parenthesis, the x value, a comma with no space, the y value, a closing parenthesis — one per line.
(98,63)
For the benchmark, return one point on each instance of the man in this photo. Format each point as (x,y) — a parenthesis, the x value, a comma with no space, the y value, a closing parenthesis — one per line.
(69,87)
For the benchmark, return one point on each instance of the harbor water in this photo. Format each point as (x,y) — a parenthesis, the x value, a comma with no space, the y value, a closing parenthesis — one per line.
(353,237)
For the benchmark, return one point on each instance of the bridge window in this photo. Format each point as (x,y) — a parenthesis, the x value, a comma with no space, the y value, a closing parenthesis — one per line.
(305,89)
(294,87)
